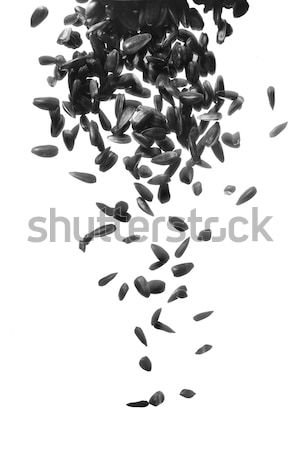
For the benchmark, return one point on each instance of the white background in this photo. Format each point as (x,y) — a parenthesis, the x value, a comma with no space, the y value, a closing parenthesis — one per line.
(69,358)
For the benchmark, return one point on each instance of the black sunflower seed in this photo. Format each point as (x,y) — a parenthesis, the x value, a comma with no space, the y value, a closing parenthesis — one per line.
(197,188)
(230,95)
(105,280)
(203,349)
(211,116)
(145,172)
(205,235)
(123,291)
(156,265)
(229,190)
(156,286)
(47,60)
(144,192)
(202,316)
(278,129)
(156,316)
(180,292)
(69,137)
(187,393)
(247,195)
(144,206)
(163,327)
(178,223)
(236,105)
(122,139)
(164,193)
(160,253)
(158,180)
(182,248)
(140,404)
(218,151)
(47,103)
(271,96)
(38,16)
(182,269)
(133,44)
(132,238)
(157,399)
(140,335)
(85,177)
(104,121)
(145,364)
(45,151)
(231,140)
(142,286)
(166,158)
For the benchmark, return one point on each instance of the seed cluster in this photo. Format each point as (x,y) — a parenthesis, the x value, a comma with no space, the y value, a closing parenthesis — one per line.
(156,39)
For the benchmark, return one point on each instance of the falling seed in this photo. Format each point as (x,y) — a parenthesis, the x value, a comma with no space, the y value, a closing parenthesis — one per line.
(164,193)
(202,316)
(131,239)
(45,151)
(163,327)
(123,291)
(229,190)
(231,140)
(203,349)
(141,336)
(271,96)
(182,248)
(47,103)
(133,44)
(144,206)
(180,292)
(140,404)
(142,286)
(156,286)
(197,188)
(247,195)
(182,269)
(105,280)
(145,364)
(187,393)
(236,105)
(38,16)
(157,399)
(278,129)
(144,192)
(158,180)
(160,253)
(205,235)
(156,316)
(211,116)
(178,223)
(85,177)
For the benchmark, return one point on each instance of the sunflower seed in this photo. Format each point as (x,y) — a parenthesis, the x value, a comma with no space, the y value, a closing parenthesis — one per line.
(47,103)
(164,193)
(160,253)
(163,327)
(187,393)
(123,291)
(231,95)
(105,280)
(202,316)
(156,286)
(178,223)
(210,116)
(144,206)
(145,364)
(38,16)
(145,172)
(85,177)
(140,404)
(45,151)
(156,316)
(229,190)
(271,96)
(247,195)
(197,188)
(203,349)
(231,140)
(132,238)
(157,399)
(180,292)
(104,121)
(158,180)
(205,235)
(236,105)
(144,192)
(278,129)
(140,335)
(47,60)
(182,269)
(133,44)
(166,158)
(218,151)
(182,248)
(142,286)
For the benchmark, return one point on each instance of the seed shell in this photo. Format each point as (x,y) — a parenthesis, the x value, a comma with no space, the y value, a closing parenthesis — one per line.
(145,364)
(38,16)
(45,151)
(202,316)
(140,335)
(123,291)
(157,399)
(203,349)
(182,269)
(182,248)
(278,129)
(85,177)
(187,393)
(105,280)
(247,195)
(140,404)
